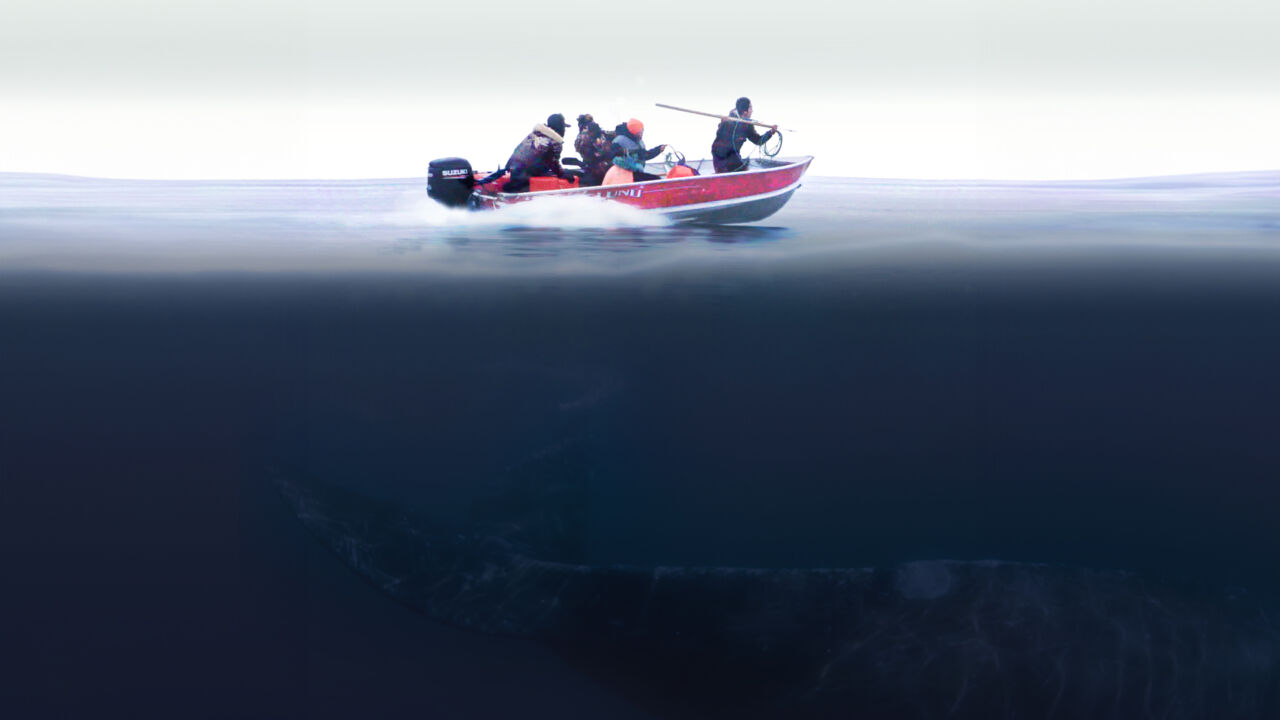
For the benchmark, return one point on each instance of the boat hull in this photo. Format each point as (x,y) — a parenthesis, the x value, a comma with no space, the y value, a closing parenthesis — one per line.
(727,198)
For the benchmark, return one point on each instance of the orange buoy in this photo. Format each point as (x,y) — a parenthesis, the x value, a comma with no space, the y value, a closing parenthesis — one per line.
(618,176)
(680,171)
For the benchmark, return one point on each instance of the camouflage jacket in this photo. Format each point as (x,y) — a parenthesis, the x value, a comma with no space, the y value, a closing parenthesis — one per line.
(593,144)
(538,154)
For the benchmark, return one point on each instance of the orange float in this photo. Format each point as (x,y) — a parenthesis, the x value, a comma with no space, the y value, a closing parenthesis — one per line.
(618,176)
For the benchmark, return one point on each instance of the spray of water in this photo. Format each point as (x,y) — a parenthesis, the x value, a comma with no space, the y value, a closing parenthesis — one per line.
(549,212)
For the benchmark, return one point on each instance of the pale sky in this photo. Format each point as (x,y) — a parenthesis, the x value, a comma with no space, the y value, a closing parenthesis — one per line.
(1026,89)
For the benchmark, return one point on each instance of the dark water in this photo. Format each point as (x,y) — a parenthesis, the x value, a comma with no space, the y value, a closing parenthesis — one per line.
(1082,376)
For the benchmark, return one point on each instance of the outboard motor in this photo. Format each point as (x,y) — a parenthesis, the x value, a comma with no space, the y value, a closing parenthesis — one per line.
(450,181)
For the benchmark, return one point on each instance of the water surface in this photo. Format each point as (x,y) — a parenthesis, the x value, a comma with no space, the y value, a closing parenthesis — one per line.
(1075,374)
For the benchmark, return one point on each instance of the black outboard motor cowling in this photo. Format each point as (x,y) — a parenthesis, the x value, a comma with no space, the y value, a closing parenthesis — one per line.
(450,181)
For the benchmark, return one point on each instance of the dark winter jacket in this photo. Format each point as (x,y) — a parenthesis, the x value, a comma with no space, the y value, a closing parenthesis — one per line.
(538,155)
(628,151)
(593,144)
(730,135)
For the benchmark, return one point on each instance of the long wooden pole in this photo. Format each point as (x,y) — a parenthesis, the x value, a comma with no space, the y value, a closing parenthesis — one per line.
(721,117)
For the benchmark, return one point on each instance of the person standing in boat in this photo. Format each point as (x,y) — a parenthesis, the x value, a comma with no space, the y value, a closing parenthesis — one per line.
(727,148)
(593,144)
(629,155)
(538,155)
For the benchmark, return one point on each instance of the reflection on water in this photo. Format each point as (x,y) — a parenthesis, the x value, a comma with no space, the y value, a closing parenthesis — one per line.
(548,243)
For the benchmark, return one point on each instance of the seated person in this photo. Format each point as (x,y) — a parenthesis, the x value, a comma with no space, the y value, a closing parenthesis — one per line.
(593,144)
(538,155)
(727,147)
(629,155)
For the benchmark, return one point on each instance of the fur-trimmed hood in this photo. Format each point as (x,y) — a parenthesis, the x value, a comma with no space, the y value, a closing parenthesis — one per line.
(544,130)
(538,153)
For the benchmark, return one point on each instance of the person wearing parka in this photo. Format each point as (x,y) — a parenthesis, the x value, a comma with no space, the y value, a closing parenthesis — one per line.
(628,151)
(727,147)
(538,155)
(593,144)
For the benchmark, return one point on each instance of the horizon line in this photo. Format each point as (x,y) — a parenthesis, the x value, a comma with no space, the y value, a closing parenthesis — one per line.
(406,178)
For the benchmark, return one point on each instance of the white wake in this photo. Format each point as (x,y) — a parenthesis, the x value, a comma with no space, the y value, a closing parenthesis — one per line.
(548,213)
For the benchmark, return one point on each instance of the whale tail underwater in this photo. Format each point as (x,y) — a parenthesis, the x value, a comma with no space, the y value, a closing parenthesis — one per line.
(920,640)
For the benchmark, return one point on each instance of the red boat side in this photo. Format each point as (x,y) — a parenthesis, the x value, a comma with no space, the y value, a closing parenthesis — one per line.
(725,198)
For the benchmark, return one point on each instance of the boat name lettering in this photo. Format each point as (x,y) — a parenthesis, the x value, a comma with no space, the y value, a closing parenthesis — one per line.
(629,192)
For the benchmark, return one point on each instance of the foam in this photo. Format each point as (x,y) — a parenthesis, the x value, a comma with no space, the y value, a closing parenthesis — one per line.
(549,212)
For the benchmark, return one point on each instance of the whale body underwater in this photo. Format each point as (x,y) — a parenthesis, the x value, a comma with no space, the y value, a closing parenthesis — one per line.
(920,639)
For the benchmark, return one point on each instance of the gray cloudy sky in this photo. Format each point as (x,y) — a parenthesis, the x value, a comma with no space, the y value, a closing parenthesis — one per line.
(919,88)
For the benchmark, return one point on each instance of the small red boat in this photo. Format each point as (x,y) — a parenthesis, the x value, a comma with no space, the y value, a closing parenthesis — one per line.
(740,197)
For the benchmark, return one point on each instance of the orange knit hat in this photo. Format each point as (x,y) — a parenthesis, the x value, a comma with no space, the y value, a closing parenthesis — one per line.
(635,126)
